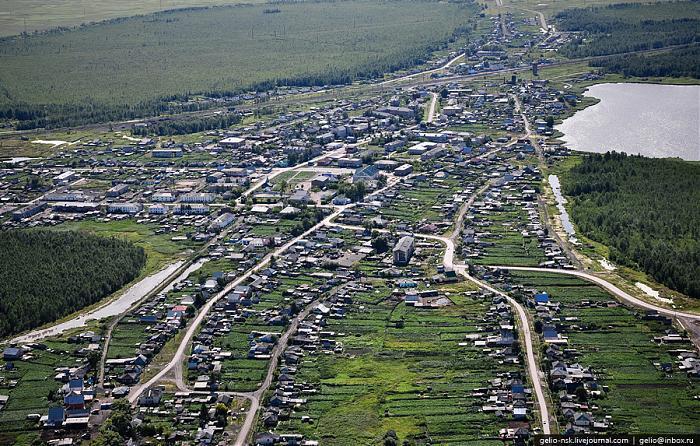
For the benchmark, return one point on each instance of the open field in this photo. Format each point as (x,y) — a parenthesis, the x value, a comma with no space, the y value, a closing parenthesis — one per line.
(549,7)
(160,249)
(124,63)
(17,16)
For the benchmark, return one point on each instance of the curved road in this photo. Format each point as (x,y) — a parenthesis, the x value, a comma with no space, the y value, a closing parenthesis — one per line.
(622,295)
(423,73)
(532,366)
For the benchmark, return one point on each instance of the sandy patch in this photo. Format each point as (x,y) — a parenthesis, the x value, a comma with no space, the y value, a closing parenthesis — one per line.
(605,263)
(650,292)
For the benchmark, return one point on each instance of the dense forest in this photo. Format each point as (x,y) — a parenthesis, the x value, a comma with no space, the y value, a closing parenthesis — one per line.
(682,62)
(646,210)
(45,275)
(630,27)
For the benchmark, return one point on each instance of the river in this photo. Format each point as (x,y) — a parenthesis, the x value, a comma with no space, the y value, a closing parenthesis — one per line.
(563,213)
(653,120)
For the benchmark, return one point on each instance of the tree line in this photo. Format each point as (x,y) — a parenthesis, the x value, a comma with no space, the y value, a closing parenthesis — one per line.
(45,275)
(645,210)
(630,27)
(185,126)
(682,62)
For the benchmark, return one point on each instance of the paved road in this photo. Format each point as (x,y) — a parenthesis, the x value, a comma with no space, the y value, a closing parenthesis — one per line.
(424,73)
(431,109)
(175,365)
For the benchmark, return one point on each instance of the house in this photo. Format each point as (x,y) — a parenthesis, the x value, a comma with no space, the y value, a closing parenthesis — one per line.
(583,419)
(403,250)
(151,398)
(401,112)
(166,153)
(56,417)
(117,190)
(74,400)
(300,197)
(341,200)
(541,298)
(158,209)
(350,162)
(124,208)
(403,170)
(12,354)
(222,221)
(232,142)
(369,173)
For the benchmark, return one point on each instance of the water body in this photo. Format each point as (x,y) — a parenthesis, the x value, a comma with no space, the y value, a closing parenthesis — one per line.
(563,214)
(657,121)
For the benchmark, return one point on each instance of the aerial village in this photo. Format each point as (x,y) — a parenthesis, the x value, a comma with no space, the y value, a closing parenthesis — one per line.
(337,236)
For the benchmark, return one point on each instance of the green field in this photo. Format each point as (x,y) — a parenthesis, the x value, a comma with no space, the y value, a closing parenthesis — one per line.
(618,345)
(160,248)
(17,16)
(117,66)
(416,380)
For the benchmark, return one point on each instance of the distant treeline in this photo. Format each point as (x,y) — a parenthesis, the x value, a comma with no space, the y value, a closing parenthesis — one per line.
(185,126)
(646,210)
(45,275)
(630,27)
(682,62)
(69,115)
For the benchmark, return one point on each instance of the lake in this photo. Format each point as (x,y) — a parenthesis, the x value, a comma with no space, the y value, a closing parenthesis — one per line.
(653,120)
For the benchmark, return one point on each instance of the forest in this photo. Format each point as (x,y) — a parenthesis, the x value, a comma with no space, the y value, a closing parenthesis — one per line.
(45,275)
(147,65)
(645,210)
(630,27)
(682,62)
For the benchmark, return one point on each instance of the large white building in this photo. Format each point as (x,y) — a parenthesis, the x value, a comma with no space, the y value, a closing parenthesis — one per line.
(404,250)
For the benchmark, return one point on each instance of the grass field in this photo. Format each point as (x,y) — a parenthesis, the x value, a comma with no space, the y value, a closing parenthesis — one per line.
(160,249)
(549,7)
(17,16)
(129,60)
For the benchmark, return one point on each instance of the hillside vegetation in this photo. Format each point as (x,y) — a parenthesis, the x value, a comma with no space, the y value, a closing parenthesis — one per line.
(45,275)
(126,68)
(630,27)
(646,210)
